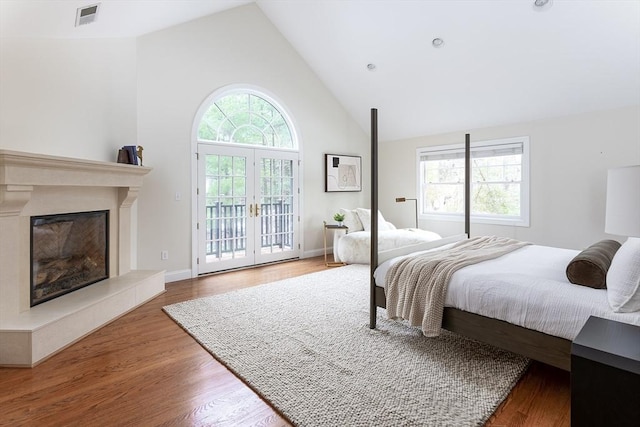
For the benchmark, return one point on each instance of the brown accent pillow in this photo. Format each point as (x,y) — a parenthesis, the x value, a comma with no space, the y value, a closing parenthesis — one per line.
(589,267)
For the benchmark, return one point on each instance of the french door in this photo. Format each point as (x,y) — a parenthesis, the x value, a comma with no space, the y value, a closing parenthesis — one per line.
(247,207)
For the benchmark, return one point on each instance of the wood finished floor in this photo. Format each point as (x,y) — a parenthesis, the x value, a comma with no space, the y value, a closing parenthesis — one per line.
(144,370)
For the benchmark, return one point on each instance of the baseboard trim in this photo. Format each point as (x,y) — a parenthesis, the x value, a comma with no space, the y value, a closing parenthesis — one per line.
(175,276)
(315,252)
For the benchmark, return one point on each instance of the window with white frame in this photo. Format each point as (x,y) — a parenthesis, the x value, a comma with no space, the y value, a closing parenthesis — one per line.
(499,181)
(245,116)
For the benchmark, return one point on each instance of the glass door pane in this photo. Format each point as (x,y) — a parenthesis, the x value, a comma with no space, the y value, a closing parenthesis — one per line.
(225,208)
(278,211)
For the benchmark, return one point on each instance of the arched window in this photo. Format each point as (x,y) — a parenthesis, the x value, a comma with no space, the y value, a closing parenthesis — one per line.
(246,117)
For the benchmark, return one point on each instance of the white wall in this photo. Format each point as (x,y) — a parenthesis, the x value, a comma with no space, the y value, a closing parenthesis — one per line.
(72,98)
(177,69)
(569,161)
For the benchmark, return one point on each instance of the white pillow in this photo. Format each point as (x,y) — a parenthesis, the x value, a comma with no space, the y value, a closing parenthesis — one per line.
(365,218)
(623,278)
(351,220)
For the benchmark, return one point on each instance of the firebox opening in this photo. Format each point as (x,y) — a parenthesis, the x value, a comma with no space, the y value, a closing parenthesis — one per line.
(68,252)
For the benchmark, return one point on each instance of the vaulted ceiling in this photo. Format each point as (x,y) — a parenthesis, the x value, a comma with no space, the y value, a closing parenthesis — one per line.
(501,62)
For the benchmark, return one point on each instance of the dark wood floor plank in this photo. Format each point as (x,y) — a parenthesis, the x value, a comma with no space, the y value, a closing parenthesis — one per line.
(143,369)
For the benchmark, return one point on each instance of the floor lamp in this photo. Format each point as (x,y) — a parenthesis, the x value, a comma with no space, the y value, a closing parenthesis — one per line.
(404,199)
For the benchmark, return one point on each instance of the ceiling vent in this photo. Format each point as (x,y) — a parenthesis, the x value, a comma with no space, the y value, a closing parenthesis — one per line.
(87,15)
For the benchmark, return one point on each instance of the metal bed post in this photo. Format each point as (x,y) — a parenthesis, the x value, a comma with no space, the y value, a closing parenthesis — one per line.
(374,218)
(467,185)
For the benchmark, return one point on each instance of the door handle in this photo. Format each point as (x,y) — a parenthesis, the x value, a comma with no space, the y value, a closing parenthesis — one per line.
(250,210)
(257,210)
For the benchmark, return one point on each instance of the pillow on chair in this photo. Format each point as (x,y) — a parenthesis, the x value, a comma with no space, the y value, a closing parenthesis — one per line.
(623,278)
(365,218)
(351,220)
(589,267)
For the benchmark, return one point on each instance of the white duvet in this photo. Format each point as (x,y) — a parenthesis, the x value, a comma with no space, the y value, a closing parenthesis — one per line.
(355,248)
(529,288)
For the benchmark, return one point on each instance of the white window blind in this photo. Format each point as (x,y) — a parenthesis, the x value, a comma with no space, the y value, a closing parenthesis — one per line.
(493,150)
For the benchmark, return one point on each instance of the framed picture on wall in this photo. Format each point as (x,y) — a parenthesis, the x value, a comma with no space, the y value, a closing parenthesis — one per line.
(342,173)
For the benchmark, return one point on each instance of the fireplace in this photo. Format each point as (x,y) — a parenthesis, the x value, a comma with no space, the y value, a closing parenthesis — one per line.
(68,252)
(34,187)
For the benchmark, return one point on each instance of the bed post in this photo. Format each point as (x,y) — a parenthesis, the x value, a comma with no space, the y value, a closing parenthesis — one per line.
(374,218)
(467,185)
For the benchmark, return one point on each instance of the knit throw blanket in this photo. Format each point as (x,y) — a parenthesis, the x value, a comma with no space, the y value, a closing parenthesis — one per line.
(417,285)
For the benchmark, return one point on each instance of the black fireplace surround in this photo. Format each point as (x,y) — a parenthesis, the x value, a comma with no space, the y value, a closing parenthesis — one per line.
(68,252)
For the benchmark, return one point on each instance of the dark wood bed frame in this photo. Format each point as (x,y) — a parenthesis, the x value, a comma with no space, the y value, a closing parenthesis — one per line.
(533,344)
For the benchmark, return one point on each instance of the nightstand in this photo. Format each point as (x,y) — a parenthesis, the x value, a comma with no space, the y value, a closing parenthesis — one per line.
(605,374)
(333,228)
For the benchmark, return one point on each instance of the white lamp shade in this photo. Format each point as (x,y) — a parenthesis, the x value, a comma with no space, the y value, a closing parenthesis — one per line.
(623,202)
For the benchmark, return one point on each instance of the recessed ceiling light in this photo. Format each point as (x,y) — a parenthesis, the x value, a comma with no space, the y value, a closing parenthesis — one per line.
(541,5)
(437,42)
(371,67)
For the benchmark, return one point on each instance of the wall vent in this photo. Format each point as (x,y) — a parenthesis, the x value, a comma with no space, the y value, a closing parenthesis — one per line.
(87,15)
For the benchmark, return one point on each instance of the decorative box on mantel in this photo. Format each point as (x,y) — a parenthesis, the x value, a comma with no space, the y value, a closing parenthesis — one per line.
(37,185)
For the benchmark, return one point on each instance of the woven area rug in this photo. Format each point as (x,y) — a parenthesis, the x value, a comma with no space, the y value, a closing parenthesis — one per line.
(304,345)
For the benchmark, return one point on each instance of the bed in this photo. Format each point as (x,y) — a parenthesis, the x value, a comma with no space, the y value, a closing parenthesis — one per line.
(353,247)
(521,301)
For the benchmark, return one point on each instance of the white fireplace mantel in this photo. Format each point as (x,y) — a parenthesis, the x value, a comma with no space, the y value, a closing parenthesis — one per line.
(21,172)
(37,184)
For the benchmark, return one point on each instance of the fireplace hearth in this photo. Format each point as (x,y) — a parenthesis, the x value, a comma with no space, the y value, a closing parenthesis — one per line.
(68,252)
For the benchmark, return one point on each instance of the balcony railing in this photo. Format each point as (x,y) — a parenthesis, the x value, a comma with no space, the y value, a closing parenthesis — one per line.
(226,227)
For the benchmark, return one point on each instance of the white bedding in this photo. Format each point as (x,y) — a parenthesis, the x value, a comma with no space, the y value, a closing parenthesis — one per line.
(528,288)
(354,248)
